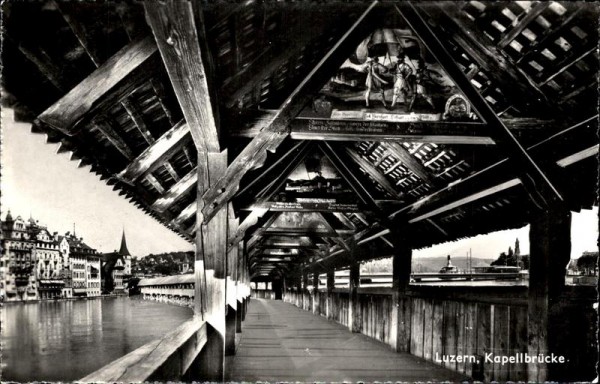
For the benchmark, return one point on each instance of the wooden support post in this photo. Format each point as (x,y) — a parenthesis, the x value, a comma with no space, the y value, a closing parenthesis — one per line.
(354,318)
(177,36)
(231,284)
(298,293)
(247,280)
(305,303)
(211,246)
(315,293)
(550,251)
(401,268)
(240,290)
(330,287)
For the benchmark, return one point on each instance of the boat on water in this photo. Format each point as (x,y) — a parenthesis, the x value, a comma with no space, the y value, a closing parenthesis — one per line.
(449,268)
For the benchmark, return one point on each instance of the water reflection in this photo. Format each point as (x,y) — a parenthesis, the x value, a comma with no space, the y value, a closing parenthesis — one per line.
(64,341)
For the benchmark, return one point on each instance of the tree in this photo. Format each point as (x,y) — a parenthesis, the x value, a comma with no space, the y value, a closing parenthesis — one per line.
(588,262)
(503,259)
(511,260)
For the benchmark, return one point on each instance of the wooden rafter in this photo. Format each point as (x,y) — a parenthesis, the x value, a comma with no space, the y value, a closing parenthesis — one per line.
(342,167)
(155,184)
(71,108)
(439,132)
(522,22)
(69,13)
(153,156)
(493,179)
(138,121)
(281,52)
(298,232)
(285,157)
(344,220)
(272,135)
(40,58)
(177,190)
(536,182)
(298,153)
(438,227)
(279,180)
(487,57)
(574,10)
(105,125)
(408,161)
(251,220)
(83,35)
(372,171)
(175,31)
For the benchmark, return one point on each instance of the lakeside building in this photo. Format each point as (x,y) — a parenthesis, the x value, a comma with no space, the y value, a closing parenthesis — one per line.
(38,265)
(17,260)
(116,269)
(85,262)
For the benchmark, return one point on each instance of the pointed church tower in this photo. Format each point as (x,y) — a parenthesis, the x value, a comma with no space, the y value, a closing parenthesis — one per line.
(124,251)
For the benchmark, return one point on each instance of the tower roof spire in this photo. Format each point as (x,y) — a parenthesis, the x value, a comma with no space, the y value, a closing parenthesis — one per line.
(124,251)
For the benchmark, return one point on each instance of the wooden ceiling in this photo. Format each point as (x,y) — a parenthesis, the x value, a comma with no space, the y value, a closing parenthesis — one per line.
(91,77)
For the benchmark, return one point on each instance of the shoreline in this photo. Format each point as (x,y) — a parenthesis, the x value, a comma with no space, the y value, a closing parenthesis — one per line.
(38,301)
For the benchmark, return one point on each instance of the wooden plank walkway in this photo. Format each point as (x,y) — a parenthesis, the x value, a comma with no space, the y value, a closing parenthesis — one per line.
(281,342)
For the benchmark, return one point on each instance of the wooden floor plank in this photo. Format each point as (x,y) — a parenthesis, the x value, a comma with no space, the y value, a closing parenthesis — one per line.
(281,342)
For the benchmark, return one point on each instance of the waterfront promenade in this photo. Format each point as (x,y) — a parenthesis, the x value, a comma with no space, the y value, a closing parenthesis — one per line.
(281,342)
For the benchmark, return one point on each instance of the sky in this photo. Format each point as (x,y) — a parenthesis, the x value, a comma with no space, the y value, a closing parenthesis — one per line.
(49,186)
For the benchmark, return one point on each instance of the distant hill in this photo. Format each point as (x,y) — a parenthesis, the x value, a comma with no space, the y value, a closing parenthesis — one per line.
(171,255)
(434,264)
(425,264)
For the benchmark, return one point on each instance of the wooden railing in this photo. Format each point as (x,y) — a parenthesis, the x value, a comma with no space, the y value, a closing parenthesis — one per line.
(440,321)
(165,359)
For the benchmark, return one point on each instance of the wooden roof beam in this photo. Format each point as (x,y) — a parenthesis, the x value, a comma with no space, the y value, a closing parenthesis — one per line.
(372,171)
(175,31)
(83,35)
(409,162)
(137,119)
(521,23)
(439,132)
(155,184)
(329,221)
(374,236)
(344,220)
(250,221)
(297,232)
(177,190)
(106,126)
(71,108)
(272,57)
(342,167)
(153,156)
(279,180)
(493,179)
(574,10)
(277,162)
(522,88)
(536,182)
(40,58)
(272,135)
(135,116)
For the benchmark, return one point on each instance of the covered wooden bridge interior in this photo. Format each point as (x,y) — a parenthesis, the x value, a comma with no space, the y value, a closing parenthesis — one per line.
(244,128)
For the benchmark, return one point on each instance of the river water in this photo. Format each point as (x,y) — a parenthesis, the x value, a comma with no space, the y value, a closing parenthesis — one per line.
(66,340)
